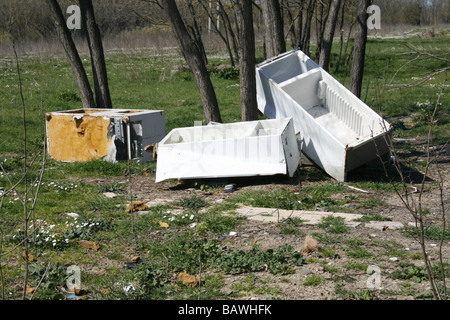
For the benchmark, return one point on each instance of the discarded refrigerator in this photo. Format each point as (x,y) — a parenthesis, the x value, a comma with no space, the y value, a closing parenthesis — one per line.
(339,132)
(253,148)
(111,134)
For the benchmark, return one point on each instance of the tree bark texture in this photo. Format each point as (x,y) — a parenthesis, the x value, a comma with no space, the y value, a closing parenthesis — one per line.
(195,61)
(102,94)
(247,62)
(327,40)
(273,28)
(87,97)
(359,50)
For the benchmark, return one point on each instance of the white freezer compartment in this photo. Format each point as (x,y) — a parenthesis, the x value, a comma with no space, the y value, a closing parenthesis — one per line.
(339,132)
(252,148)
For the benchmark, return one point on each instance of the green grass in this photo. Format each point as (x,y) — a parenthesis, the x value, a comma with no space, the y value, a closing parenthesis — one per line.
(143,80)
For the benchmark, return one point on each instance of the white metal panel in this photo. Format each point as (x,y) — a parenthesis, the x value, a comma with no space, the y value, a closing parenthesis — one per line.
(229,150)
(330,118)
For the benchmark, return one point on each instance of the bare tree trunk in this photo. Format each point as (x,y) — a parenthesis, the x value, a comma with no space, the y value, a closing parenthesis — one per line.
(273,28)
(195,61)
(327,40)
(341,37)
(195,31)
(359,49)
(306,34)
(87,97)
(249,107)
(292,21)
(321,18)
(102,94)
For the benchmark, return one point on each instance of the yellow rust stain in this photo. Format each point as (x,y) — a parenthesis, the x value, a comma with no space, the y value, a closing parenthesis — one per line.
(77,140)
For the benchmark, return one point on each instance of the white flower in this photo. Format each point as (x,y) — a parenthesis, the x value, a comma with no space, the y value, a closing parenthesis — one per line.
(191,217)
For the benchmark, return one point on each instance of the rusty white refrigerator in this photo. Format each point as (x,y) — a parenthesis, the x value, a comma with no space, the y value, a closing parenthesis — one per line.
(338,131)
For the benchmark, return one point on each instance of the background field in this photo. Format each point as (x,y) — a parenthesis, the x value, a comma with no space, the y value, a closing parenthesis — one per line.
(233,268)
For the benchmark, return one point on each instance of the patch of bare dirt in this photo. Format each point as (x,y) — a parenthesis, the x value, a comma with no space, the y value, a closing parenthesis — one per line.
(388,246)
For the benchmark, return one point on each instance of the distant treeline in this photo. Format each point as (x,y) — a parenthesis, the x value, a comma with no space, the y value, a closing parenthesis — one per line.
(30,19)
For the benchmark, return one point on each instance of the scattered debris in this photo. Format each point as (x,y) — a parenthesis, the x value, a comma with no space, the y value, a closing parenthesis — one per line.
(30,289)
(129,288)
(358,189)
(394,259)
(89,244)
(72,214)
(30,256)
(110,195)
(229,188)
(163,224)
(136,206)
(189,280)
(310,245)
(135,261)
(339,132)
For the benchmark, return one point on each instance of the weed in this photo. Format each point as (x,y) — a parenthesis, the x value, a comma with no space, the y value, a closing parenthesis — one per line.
(251,284)
(220,224)
(313,280)
(413,273)
(333,224)
(50,280)
(291,230)
(372,202)
(356,250)
(372,216)
(328,252)
(364,294)
(356,266)
(281,261)
(194,203)
(359,253)
(87,229)
(110,187)
(229,73)
(431,233)
(69,96)
(410,272)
